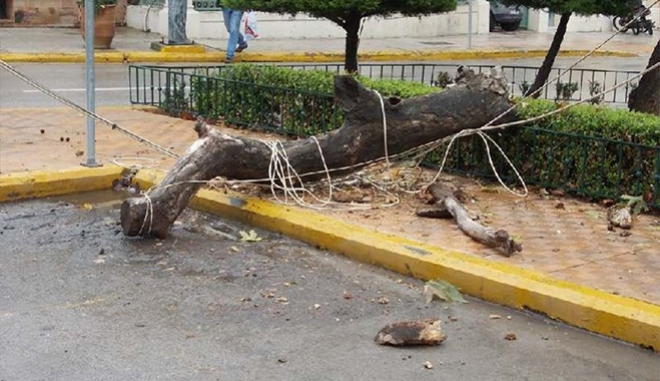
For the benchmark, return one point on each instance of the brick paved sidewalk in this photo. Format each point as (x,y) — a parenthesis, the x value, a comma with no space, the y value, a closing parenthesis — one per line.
(570,243)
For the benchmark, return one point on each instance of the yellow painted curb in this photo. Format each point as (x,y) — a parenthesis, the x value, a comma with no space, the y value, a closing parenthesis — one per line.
(611,315)
(24,185)
(185,49)
(218,56)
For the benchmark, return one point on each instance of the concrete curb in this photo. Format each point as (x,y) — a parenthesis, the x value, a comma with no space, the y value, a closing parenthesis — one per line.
(26,185)
(596,311)
(218,56)
(611,315)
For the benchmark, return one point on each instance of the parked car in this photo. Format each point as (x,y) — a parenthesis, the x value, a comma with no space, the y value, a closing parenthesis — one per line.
(508,17)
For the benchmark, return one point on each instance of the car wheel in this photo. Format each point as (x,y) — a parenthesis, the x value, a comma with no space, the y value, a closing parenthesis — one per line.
(510,27)
(492,23)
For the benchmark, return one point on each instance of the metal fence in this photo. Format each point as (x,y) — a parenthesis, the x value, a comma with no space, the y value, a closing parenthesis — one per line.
(584,165)
(587,81)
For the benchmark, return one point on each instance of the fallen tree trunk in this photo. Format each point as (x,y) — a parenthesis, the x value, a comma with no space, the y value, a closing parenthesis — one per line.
(475,101)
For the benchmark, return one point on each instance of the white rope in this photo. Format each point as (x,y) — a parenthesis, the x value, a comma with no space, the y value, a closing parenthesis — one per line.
(150,162)
(149,214)
(83,110)
(483,137)
(579,61)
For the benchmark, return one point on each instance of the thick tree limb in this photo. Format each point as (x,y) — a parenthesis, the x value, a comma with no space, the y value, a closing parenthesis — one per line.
(410,123)
(498,239)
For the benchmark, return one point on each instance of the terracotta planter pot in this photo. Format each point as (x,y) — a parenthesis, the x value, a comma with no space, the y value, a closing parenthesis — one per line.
(104,26)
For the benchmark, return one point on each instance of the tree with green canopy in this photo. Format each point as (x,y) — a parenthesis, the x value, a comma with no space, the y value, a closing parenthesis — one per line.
(566,8)
(348,14)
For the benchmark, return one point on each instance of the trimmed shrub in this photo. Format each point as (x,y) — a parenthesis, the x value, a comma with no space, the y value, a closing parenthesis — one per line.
(292,102)
(594,151)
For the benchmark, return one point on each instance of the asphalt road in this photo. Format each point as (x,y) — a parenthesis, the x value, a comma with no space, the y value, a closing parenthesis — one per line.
(78,301)
(112,80)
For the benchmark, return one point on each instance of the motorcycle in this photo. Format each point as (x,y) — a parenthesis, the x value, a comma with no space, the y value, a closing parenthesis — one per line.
(640,25)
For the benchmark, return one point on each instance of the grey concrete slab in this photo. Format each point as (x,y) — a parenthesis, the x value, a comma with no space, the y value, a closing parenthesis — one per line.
(78,301)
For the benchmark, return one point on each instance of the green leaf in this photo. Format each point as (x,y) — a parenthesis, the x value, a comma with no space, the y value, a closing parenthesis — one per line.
(593,214)
(443,290)
(249,237)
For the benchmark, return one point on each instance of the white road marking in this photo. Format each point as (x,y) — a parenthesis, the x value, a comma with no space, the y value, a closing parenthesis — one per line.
(80,90)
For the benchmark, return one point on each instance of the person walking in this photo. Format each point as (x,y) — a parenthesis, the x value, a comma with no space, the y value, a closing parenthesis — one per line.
(236,42)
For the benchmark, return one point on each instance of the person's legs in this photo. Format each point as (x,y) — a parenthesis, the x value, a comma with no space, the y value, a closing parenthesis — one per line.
(237,16)
(226,15)
(241,39)
(233,24)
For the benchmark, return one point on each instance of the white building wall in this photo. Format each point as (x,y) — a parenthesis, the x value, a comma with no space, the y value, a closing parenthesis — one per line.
(209,24)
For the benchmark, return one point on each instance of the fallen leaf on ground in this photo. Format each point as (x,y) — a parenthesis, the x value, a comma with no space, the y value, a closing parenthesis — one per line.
(593,214)
(510,337)
(442,290)
(250,236)
(421,332)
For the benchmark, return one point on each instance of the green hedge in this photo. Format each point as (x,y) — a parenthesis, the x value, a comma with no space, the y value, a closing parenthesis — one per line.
(293,102)
(589,150)
(600,121)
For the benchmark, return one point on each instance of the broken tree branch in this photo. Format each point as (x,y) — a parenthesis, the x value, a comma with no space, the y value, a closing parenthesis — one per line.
(410,123)
(497,239)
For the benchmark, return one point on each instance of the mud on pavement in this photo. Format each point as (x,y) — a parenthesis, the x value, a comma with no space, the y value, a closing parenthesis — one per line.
(78,301)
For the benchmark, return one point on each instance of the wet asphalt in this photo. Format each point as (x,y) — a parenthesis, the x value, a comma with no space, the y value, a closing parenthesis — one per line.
(78,301)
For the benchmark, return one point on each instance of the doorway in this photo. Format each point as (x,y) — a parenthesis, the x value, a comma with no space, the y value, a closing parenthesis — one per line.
(6,9)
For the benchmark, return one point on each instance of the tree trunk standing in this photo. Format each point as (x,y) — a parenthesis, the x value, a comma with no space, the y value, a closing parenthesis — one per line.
(176,22)
(352,28)
(410,123)
(549,61)
(646,97)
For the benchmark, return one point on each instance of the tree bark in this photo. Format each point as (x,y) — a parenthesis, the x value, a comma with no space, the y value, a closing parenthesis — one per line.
(497,239)
(646,97)
(549,61)
(177,13)
(410,123)
(352,27)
